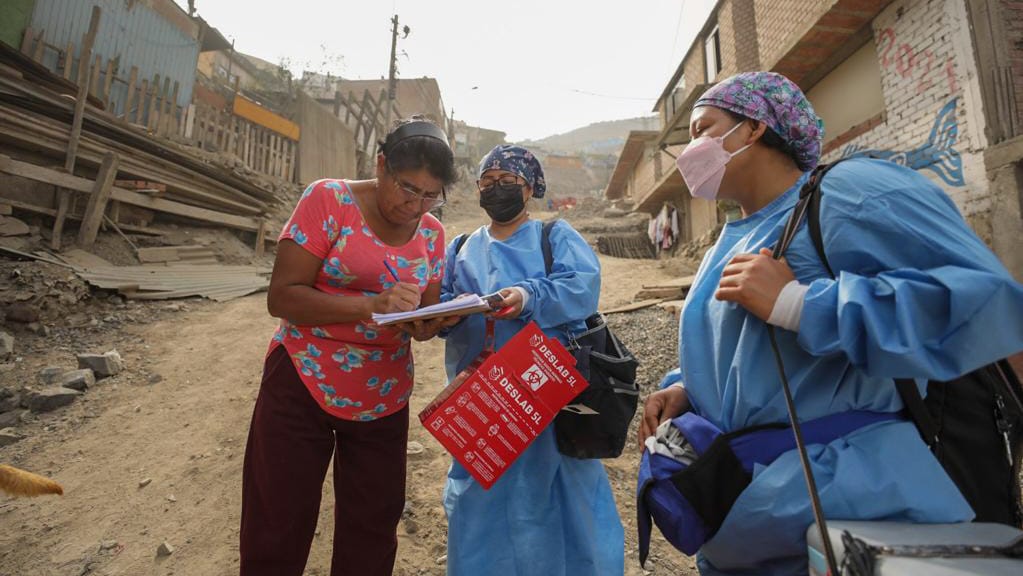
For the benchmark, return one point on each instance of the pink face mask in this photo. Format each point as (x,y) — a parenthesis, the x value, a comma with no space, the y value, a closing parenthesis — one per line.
(702,164)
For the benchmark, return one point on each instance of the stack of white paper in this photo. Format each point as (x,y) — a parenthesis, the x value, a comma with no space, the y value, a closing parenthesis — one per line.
(462,306)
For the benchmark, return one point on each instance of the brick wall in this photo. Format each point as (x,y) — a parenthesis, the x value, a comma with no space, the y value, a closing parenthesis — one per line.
(1012,16)
(727,39)
(780,22)
(932,116)
(747,46)
(694,67)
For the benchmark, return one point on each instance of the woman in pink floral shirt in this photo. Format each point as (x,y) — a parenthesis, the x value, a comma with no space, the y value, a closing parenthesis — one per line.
(335,384)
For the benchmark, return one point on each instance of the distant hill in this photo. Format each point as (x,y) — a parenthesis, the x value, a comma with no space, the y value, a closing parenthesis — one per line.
(599,138)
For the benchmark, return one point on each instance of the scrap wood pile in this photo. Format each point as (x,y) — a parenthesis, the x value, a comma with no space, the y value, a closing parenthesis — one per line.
(667,295)
(160,281)
(35,126)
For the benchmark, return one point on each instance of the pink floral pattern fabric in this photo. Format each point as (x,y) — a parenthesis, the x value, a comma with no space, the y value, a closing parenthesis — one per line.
(355,370)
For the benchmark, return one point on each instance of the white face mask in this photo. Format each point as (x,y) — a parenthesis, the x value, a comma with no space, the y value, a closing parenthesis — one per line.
(703,162)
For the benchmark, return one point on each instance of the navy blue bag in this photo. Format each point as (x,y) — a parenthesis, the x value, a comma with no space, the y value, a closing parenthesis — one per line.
(688,503)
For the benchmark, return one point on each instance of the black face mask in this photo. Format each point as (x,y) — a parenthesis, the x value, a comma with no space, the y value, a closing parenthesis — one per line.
(503,203)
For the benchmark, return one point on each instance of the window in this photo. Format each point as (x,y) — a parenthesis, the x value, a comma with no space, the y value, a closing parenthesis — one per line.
(713,53)
(677,94)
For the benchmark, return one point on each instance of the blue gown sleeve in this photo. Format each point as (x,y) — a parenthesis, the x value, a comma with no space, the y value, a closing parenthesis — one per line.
(447,285)
(919,295)
(572,290)
(670,377)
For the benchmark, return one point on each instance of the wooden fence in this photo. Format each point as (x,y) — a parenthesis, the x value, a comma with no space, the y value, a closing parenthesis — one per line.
(259,148)
(153,104)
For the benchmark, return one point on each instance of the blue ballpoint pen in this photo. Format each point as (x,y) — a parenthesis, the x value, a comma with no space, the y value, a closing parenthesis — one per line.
(394,273)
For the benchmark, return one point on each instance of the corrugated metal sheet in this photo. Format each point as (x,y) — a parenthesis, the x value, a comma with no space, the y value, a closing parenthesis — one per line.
(130,30)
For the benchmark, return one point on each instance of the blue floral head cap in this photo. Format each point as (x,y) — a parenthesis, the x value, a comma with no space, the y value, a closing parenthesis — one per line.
(776,101)
(518,161)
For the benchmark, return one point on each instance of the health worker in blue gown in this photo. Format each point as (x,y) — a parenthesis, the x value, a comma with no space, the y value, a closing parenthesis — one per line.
(916,292)
(549,514)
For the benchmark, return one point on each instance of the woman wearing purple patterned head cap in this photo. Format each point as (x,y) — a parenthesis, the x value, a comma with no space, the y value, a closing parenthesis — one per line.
(913,291)
(549,514)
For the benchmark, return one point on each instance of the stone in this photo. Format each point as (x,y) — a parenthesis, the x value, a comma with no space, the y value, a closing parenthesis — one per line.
(103,365)
(145,482)
(443,559)
(39,329)
(51,374)
(165,549)
(108,545)
(9,436)
(6,346)
(155,378)
(52,398)
(9,400)
(413,448)
(23,313)
(78,379)
(8,419)
(171,498)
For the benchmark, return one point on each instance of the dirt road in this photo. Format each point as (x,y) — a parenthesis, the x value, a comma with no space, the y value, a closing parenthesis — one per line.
(182,431)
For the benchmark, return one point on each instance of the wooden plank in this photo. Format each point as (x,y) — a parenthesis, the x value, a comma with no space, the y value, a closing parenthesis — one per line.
(69,60)
(172,107)
(153,111)
(114,212)
(108,81)
(63,202)
(82,259)
(253,112)
(161,120)
(684,283)
(94,77)
(57,178)
(140,109)
(37,54)
(189,121)
(97,205)
(292,158)
(260,238)
(26,40)
(130,100)
(275,154)
(635,306)
(670,292)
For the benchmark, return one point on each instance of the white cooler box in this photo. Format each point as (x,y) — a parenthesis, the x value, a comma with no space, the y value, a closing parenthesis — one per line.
(904,536)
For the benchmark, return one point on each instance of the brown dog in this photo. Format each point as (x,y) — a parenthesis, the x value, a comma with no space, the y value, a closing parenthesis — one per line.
(20,483)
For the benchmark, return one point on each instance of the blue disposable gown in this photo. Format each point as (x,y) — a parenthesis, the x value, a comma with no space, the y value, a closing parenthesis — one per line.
(548,514)
(917,295)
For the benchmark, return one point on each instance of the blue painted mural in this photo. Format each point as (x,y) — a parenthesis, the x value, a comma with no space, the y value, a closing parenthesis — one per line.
(937,154)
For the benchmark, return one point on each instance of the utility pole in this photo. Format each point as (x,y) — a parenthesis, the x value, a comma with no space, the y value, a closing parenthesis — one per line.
(391,80)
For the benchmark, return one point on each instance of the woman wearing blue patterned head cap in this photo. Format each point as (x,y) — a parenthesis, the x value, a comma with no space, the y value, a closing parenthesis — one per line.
(548,514)
(915,291)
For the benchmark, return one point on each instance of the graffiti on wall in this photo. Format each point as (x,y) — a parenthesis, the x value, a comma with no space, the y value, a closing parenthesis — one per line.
(937,154)
(921,66)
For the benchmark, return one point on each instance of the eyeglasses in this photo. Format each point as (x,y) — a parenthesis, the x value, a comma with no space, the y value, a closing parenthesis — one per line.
(414,194)
(487,182)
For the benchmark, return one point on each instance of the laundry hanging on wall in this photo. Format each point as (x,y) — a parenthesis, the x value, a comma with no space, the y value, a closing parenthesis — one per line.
(663,229)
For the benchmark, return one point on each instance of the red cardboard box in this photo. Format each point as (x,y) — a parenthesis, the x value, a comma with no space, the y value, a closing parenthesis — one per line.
(494,409)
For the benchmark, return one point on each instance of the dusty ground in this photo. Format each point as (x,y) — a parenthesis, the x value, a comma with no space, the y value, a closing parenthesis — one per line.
(178,416)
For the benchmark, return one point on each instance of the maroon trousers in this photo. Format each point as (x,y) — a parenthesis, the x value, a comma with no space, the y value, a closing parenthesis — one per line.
(291,442)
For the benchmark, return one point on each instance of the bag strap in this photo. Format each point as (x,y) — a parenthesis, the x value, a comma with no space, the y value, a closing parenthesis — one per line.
(545,245)
(805,206)
(459,242)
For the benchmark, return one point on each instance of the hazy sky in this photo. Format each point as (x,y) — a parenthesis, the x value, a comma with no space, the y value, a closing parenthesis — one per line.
(531,68)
